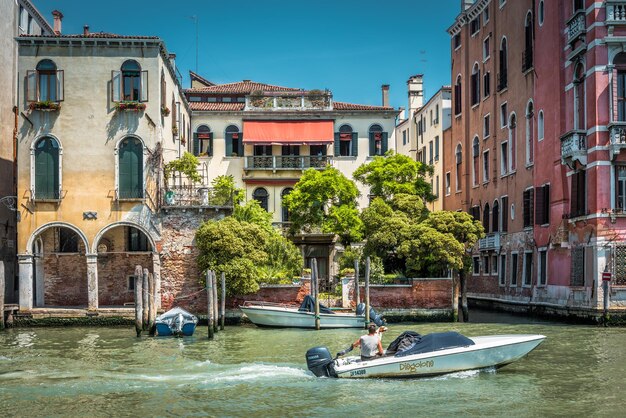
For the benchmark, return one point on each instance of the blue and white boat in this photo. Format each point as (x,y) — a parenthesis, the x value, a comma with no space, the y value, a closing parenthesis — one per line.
(176,321)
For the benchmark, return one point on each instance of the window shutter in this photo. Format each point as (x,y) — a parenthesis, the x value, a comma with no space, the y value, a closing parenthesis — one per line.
(46,171)
(240,144)
(196,144)
(546,202)
(355,144)
(337,144)
(527,207)
(540,206)
(573,200)
(229,144)
(505,214)
(210,149)
(131,170)
(372,145)
(116,86)
(385,143)
(31,86)
(144,87)
(60,85)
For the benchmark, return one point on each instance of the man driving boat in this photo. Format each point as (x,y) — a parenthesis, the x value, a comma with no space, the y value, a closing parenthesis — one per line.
(370,344)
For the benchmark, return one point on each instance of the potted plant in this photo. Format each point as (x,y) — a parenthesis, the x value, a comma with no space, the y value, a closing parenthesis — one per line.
(130,106)
(175,130)
(183,140)
(46,105)
(317,97)
(165,111)
(257,98)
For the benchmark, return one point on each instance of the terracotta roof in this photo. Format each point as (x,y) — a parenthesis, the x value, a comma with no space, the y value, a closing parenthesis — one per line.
(217,107)
(240,87)
(91,35)
(351,106)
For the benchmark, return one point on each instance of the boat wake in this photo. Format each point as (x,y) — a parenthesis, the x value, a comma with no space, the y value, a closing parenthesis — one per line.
(260,372)
(464,374)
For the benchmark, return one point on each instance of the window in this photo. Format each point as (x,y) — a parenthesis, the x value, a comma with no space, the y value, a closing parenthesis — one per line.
(486,166)
(436,148)
(504,116)
(130,175)
(505,213)
(346,142)
(577,277)
(512,143)
(620,174)
(234,142)
(227,99)
(404,137)
(378,140)
(486,265)
(475,83)
(163,92)
(475,160)
(579,97)
(514,257)
(447,184)
(459,160)
(285,211)
(130,83)
(486,126)
(290,150)
(31,25)
(431,117)
(136,240)
(23,22)
(528,207)
(578,204)
(430,153)
(457,96)
(261,196)
(436,114)
(486,84)
(528,268)
(541,13)
(68,241)
(494,265)
(45,83)
(47,173)
(530,138)
(456,41)
(486,50)
(485,15)
(540,127)
(542,205)
(318,151)
(542,273)
(437,186)
(475,266)
(475,26)
(504,158)
(203,141)
(486,218)
(495,217)
(579,5)
(527,55)
(263,150)
(502,275)
(502,74)
(475,212)
(502,3)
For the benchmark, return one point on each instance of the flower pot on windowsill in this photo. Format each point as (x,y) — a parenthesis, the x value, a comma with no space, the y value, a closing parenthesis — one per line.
(46,106)
(130,106)
(165,111)
(175,131)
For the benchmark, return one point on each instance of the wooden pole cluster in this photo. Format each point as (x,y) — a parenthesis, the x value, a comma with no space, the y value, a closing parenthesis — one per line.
(315,279)
(223,305)
(145,303)
(210,304)
(367,292)
(357,291)
(2,281)
(215,304)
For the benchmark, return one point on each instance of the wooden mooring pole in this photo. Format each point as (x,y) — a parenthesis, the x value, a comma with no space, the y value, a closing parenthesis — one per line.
(317,296)
(138,299)
(367,292)
(145,314)
(2,281)
(209,301)
(215,304)
(357,291)
(223,303)
(151,305)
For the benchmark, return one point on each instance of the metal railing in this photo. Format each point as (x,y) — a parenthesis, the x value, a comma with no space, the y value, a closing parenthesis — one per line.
(286,162)
(490,242)
(194,196)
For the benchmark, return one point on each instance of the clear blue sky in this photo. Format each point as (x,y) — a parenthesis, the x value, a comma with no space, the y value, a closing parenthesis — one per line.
(348,46)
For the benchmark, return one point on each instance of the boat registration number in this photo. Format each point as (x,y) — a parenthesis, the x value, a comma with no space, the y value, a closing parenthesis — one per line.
(357,372)
(411,367)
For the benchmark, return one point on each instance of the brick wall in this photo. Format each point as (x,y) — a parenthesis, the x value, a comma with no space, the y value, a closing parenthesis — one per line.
(421,293)
(65,282)
(113,272)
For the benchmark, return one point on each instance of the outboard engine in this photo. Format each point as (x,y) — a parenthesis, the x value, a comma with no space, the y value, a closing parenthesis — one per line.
(319,361)
(374,317)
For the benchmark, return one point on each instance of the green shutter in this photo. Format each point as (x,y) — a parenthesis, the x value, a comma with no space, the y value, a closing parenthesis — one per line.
(372,144)
(46,170)
(240,144)
(229,144)
(131,170)
(385,143)
(337,144)
(355,144)
(210,147)
(196,144)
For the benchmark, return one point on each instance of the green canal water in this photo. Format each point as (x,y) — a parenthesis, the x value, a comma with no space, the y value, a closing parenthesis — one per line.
(249,372)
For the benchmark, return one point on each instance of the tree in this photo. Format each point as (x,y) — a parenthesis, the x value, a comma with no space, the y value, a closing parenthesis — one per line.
(187,165)
(325,200)
(225,192)
(252,212)
(395,174)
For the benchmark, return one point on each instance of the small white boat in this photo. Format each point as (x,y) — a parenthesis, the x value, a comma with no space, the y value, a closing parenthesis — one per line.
(427,355)
(285,316)
(176,321)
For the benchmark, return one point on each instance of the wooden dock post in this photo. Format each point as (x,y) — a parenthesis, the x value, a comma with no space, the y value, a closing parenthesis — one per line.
(357,291)
(209,301)
(138,299)
(223,302)
(151,305)
(317,296)
(2,281)
(215,304)
(146,293)
(367,292)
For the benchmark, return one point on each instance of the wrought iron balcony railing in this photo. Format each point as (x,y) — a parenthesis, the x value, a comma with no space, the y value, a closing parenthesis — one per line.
(286,162)
(194,196)
(490,242)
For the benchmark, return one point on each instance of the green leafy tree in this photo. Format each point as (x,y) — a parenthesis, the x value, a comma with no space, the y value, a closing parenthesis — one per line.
(187,164)
(350,254)
(225,191)
(284,260)
(252,212)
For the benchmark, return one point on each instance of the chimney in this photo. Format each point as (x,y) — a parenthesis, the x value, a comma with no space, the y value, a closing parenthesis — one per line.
(466,4)
(172,58)
(58,17)
(385,91)
(86,30)
(415,86)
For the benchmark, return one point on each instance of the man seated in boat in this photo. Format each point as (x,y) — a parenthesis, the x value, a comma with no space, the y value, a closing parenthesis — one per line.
(370,344)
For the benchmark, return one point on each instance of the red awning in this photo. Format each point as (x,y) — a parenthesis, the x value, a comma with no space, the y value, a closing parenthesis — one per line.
(288,132)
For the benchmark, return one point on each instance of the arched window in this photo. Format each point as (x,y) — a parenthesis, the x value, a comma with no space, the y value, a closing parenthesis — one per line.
(130,175)
(234,142)
(136,240)
(475,84)
(261,196)
(475,160)
(619,78)
(527,56)
(579,97)
(457,95)
(131,80)
(346,142)
(459,160)
(283,194)
(47,174)
(530,130)
(203,141)
(495,217)
(512,142)
(540,125)
(541,13)
(486,214)
(47,81)
(378,140)
(502,75)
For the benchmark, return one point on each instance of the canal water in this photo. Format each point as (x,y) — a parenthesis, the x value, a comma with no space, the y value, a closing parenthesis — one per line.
(249,372)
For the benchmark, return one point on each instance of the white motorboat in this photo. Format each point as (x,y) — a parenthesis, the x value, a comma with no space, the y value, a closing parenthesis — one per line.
(176,321)
(287,316)
(413,355)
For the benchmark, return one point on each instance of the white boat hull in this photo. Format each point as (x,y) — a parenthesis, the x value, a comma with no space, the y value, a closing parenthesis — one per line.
(488,351)
(274,316)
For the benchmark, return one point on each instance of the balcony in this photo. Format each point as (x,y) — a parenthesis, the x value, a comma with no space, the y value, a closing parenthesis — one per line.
(187,196)
(574,148)
(282,101)
(286,162)
(576,27)
(490,243)
(617,133)
(615,12)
